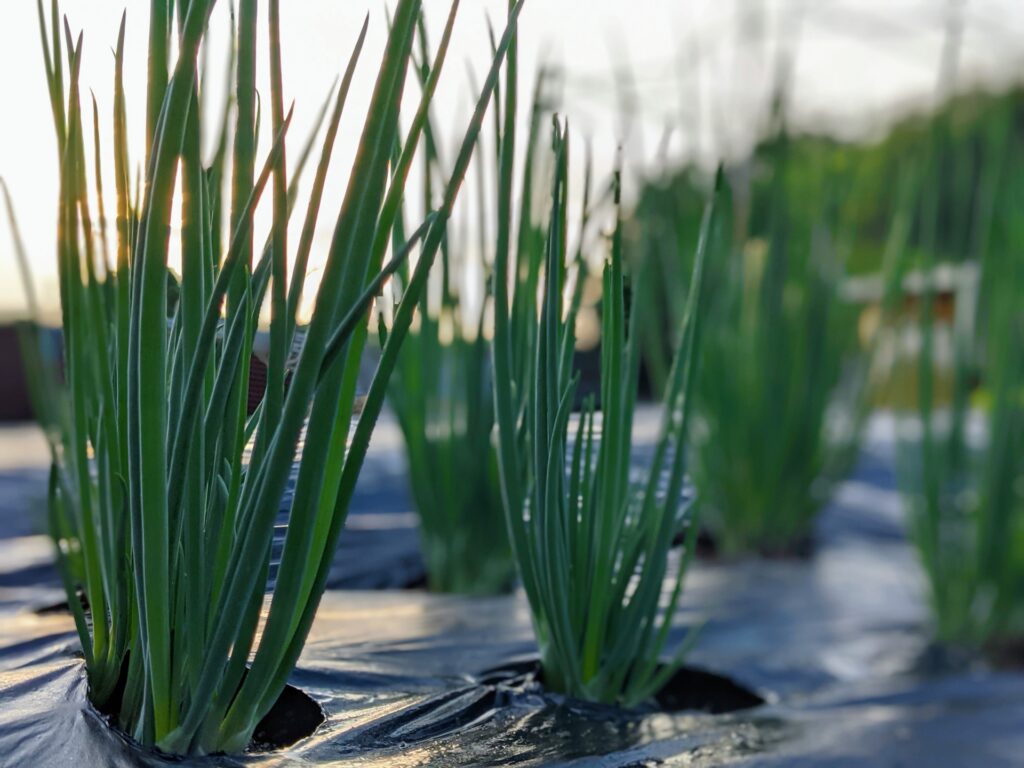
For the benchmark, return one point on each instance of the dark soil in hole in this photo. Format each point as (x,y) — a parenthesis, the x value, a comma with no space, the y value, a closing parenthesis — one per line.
(708,548)
(690,689)
(938,659)
(417,583)
(294,717)
(696,690)
(1008,654)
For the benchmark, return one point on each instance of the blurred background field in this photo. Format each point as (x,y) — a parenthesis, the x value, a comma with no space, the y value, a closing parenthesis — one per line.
(865,90)
(674,83)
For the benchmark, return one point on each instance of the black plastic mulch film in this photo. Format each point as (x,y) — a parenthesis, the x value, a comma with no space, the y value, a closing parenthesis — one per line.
(836,645)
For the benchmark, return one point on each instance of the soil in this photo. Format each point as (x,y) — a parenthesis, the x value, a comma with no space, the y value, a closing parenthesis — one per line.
(708,548)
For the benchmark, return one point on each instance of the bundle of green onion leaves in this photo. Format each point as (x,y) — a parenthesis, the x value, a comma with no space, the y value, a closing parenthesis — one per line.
(164,494)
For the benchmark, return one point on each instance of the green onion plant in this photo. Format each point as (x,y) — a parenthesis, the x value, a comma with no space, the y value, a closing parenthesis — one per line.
(962,468)
(592,546)
(964,495)
(442,395)
(782,390)
(164,495)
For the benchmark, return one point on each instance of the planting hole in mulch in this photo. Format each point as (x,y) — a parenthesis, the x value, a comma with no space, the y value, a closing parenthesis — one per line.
(294,717)
(1007,655)
(709,548)
(696,690)
(690,689)
(938,658)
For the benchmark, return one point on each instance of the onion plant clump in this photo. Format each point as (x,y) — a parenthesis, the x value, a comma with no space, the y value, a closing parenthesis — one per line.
(965,497)
(962,470)
(442,395)
(592,546)
(782,389)
(162,516)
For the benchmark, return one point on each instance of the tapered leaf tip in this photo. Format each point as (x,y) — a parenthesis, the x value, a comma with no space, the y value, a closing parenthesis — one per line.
(119,50)
(720,178)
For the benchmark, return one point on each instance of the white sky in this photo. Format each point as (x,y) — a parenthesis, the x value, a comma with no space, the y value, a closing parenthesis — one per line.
(703,67)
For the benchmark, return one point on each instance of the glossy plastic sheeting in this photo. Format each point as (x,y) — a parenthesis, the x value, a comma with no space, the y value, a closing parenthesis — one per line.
(834,643)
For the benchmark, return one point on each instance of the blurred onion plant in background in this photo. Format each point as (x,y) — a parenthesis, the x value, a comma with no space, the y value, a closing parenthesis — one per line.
(782,388)
(442,393)
(782,384)
(442,396)
(961,456)
(963,472)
